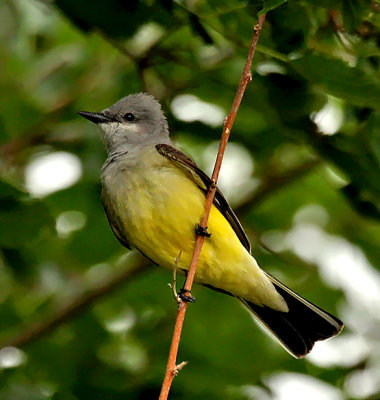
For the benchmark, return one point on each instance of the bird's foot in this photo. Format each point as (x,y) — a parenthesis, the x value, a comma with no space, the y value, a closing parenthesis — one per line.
(186,296)
(201,231)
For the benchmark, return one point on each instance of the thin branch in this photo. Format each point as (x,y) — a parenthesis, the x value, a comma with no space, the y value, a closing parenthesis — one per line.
(78,304)
(179,367)
(246,77)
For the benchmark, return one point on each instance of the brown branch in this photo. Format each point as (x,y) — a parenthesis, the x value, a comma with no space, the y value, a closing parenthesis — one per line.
(75,306)
(171,369)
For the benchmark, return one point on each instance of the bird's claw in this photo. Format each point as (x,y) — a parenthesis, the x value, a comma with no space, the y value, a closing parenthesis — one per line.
(186,296)
(202,231)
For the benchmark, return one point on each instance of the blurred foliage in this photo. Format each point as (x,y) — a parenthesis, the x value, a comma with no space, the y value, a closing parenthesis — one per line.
(309,123)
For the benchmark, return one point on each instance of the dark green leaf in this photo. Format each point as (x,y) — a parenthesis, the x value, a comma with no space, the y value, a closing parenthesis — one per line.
(271,5)
(339,79)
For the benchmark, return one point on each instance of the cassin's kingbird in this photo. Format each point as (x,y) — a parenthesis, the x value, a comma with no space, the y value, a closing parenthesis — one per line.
(154,198)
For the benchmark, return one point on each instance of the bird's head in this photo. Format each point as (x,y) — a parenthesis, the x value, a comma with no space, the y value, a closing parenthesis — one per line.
(133,121)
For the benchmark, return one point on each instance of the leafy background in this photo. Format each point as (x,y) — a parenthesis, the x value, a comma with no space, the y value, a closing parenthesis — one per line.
(80,319)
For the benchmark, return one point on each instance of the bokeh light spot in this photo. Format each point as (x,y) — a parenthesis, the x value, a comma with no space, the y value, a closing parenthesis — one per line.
(51,172)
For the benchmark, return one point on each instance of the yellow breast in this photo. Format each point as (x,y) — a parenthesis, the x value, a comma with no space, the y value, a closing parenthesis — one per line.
(160,207)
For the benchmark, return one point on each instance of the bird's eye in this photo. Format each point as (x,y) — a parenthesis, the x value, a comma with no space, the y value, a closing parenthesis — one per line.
(129,117)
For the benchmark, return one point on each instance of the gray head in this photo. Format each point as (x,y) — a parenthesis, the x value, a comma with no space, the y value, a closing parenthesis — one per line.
(133,121)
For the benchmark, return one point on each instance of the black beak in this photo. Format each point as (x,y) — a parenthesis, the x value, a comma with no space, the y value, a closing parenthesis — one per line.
(96,117)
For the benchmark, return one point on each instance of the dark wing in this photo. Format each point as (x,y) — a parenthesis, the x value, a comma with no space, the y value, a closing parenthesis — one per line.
(203,182)
(113,220)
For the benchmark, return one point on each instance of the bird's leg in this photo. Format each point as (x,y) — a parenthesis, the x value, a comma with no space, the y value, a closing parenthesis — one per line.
(184,294)
(201,231)
(173,285)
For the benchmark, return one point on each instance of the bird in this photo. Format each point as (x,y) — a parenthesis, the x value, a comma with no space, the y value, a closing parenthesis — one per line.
(154,197)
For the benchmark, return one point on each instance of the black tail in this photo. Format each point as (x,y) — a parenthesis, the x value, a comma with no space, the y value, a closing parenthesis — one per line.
(298,329)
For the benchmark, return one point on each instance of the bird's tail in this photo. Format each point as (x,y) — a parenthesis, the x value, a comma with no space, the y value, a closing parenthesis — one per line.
(298,329)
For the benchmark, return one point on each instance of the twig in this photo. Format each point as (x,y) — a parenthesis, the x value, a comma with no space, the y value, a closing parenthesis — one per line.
(245,79)
(179,367)
(74,307)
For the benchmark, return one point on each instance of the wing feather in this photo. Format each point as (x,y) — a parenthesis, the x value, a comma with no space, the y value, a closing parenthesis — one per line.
(203,182)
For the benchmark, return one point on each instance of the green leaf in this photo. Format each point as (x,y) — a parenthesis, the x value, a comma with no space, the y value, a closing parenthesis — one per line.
(337,78)
(271,5)
(353,12)
(113,17)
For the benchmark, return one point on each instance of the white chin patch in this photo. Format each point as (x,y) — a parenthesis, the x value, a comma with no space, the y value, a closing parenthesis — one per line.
(110,127)
(116,128)
(133,128)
